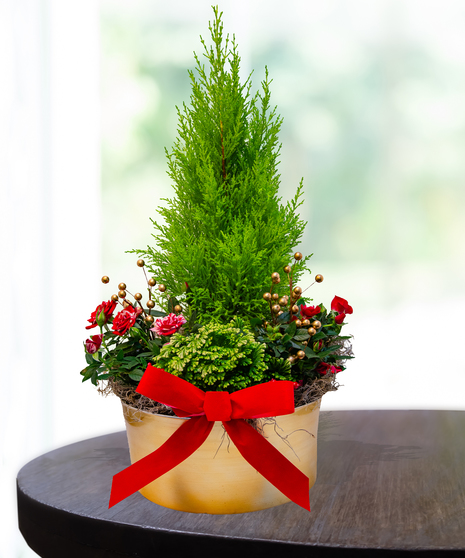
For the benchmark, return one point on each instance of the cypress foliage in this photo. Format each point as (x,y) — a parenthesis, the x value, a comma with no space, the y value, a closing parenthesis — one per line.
(225,230)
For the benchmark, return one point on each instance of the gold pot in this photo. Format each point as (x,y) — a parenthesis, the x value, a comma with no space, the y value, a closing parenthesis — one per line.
(215,478)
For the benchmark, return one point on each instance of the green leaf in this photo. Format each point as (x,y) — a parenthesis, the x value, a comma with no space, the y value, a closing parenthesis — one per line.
(90,359)
(310,354)
(291,329)
(104,376)
(136,375)
(284,317)
(301,337)
(156,313)
(325,353)
(254,322)
(318,336)
(88,373)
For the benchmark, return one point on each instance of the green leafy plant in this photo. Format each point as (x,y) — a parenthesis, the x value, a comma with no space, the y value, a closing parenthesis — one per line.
(220,357)
(224,236)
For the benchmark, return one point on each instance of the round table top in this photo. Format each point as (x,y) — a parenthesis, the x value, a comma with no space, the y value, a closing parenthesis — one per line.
(389,482)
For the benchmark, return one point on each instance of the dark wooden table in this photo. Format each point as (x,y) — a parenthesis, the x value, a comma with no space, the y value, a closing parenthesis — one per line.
(390,483)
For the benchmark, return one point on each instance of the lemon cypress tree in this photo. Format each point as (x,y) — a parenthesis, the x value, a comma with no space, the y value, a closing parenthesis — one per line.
(225,230)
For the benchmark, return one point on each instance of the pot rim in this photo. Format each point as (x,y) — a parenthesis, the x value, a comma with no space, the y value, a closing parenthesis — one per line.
(300,407)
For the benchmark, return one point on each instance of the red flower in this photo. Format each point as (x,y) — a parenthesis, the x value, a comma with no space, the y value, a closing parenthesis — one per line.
(125,319)
(340,318)
(340,305)
(309,311)
(93,344)
(169,325)
(324,367)
(107,308)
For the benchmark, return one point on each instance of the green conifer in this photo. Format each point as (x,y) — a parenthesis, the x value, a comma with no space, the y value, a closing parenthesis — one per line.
(225,230)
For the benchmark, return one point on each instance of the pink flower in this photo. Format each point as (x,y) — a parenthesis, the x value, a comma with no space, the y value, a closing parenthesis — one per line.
(93,344)
(309,311)
(169,325)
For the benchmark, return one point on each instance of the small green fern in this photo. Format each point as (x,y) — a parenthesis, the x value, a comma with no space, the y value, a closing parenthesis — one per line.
(220,357)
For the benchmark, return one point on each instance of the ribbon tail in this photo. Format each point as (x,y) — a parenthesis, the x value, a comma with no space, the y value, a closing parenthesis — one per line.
(269,462)
(187,438)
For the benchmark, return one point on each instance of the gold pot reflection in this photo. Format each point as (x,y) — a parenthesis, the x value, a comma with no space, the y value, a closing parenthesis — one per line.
(215,478)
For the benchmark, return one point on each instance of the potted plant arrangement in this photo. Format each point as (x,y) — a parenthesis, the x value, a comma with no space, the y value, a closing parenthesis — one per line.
(221,360)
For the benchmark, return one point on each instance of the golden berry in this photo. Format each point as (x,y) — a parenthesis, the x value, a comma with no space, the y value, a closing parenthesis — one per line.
(150,304)
(140,263)
(275,296)
(138,296)
(149,319)
(276,308)
(105,279)
(300,354)
(297,291)
(311,331)
(306,323)
(122,293)
(282,301)
(298,256)
(114,298)
(316,324)
(275,277)
(298,323)
(287,269)
(161,288)
(318,278)
(152,282)
(291,359)
(295,309)
(267,296)
(122,286)
(177,308)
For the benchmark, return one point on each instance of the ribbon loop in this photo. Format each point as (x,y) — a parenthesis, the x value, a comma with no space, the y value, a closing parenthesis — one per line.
(217,405)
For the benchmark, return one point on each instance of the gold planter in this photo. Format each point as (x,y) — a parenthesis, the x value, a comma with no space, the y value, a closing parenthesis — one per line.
(215,478)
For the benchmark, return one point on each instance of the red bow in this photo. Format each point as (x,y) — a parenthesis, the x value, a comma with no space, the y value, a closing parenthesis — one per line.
(264,400)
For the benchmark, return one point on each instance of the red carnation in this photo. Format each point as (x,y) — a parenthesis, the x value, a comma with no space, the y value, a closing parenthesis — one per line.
(169,325)
(93,344)
(125,319)
(309,311)
(103,313)
(340,318)
(341,306)
(323,368)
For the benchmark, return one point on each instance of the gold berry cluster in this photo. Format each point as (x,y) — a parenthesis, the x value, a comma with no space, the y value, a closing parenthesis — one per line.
(279,304)
(123,292)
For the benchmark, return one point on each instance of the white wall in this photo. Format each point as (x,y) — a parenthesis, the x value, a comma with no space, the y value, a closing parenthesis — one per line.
(50,231)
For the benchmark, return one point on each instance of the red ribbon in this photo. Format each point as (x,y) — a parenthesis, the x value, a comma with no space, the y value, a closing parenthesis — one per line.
(264,400)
